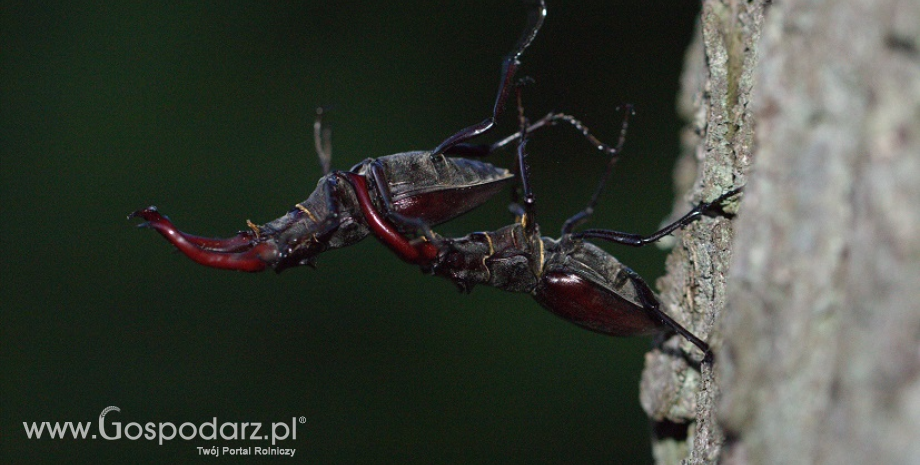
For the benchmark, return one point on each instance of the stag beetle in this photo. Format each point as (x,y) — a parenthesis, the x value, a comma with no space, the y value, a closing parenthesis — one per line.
(571,278)
(412,184)
(421,186)
(412,187)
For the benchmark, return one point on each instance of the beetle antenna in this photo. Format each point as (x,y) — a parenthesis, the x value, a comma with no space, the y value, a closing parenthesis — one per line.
(322,139)
(613,153)
(529,217)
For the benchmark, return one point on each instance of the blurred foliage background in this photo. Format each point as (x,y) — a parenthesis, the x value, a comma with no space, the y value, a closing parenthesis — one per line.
(205,109)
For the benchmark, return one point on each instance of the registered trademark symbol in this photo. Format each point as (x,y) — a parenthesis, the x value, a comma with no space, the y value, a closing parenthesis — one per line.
(302,420)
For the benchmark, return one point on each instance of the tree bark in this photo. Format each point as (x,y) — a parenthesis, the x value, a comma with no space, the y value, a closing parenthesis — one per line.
(818,348)
(822,356)
(715,99)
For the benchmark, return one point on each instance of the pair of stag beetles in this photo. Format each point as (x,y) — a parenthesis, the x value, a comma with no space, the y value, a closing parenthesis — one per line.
(396,198)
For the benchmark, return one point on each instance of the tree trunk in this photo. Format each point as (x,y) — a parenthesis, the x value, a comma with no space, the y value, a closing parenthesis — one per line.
(818,353)
(822,351)
(716,96)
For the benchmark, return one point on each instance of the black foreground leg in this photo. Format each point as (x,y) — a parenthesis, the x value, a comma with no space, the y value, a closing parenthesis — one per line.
(637,240)
(509,68)
(651,304)
(529,213)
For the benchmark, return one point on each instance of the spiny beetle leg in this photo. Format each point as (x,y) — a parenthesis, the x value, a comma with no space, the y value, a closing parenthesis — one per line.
(613,153)
(550,119)
(529,214)
(637,240)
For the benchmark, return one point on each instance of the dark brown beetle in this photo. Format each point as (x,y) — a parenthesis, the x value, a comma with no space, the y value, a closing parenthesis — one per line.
(571,278)
(419,187)
(435,189)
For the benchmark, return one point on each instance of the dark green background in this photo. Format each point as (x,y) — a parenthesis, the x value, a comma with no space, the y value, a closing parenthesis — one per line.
(204,109)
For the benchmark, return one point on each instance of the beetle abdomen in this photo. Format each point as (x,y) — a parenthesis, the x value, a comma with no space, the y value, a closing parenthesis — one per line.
(589,287)
(593,306)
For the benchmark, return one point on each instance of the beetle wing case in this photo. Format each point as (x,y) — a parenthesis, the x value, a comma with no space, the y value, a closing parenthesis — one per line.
(436,189)
(587,286)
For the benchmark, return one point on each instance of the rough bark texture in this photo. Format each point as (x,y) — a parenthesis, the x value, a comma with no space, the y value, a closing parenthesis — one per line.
(818,349)
(715,99)
(821,361)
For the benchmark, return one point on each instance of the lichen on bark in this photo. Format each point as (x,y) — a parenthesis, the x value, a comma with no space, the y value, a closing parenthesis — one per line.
(717,146)
(821,362)
(809,297)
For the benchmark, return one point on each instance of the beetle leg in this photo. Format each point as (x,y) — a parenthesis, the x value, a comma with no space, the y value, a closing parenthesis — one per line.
(614,153)
(414,224)
(509,68)
(651,304)
(637,240)
(551,119)
(331,221)
(383,187)
(529,214)
(236,253)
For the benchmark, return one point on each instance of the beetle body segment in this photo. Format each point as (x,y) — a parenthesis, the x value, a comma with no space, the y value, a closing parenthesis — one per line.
(505,259)
(322,222)
(575,280)
(589,287)
(433,189)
